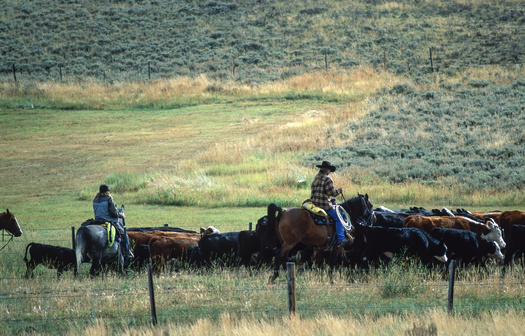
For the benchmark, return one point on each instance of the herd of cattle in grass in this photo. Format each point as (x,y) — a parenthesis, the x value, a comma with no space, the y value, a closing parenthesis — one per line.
(433,236)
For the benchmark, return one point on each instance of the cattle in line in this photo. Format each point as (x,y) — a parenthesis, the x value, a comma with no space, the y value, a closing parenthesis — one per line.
(489,231)
(466,246)
(515,243)
(53,257)
(395,218)
(165,249)
(249,247)
(220,248)
(374,243)
(140,241)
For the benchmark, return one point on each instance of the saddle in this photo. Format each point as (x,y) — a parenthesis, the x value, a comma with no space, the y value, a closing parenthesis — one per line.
(319,216)
(112,232)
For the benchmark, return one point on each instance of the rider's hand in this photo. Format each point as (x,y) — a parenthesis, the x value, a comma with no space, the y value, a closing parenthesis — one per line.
(340,190)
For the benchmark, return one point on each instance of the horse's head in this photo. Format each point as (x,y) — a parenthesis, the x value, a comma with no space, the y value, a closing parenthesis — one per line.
(121,215)
(360,209)
(8,222)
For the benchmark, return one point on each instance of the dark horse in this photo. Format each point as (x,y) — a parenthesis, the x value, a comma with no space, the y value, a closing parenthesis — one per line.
(92,246)
(9,223)
(296,226)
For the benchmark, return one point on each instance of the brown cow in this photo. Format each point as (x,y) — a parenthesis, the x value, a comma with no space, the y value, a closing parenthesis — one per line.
(163,249)
(509,218)
(489,231)
(492,214)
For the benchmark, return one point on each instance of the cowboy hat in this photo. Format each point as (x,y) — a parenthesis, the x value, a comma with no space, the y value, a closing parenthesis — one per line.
(327,164)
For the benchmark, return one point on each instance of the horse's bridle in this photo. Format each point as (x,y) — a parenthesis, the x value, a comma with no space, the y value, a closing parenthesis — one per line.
(368,217)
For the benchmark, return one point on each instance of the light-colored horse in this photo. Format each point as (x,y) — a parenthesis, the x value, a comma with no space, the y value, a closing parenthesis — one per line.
(92,246)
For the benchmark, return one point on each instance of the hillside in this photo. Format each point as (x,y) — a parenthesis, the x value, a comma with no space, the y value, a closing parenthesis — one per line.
(265,39)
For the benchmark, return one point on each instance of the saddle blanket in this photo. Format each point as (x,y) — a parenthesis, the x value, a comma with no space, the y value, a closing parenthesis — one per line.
(112,232)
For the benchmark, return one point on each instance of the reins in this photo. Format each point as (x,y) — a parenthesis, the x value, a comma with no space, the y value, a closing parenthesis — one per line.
(7,242)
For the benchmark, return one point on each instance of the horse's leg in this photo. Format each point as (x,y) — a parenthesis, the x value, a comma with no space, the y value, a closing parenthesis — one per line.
(96,264)
(332,261)
(281,256)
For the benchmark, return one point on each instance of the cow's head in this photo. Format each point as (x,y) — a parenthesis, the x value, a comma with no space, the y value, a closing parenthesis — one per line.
(442,250)
(494,233)
(209,230)
(497,253)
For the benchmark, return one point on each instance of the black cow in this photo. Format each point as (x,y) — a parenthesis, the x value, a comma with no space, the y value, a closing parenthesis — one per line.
(54,257)
(220,247)
(248,247)
(267,234)
(194,257)
(377,242)
(515,243)
(140,256)
(467,246)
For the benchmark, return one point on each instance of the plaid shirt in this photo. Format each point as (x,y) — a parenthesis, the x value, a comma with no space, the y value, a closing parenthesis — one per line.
(322,190)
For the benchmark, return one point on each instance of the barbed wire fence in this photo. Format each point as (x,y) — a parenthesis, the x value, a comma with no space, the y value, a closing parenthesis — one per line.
(175,298)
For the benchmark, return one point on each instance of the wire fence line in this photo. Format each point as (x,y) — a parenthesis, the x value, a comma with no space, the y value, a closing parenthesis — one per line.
(202,309)
(181,300)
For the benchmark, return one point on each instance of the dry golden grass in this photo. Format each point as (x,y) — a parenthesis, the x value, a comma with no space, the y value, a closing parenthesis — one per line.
(433,323)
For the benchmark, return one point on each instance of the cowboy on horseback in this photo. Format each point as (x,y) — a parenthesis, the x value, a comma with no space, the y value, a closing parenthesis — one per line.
(106,211)
(322,191)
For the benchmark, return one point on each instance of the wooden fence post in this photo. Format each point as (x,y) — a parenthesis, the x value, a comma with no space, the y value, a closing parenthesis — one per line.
(431,60)
(152,296)
(233,65)
(250,226)
(14,72)
(451,285)
(290,279)
(149,70)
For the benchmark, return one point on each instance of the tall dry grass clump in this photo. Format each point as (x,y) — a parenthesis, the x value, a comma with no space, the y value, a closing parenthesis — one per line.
(353,84)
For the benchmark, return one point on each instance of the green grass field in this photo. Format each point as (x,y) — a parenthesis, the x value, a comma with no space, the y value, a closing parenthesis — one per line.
(199,145)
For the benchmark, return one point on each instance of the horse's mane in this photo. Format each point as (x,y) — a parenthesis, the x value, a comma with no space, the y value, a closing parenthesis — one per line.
(352,204)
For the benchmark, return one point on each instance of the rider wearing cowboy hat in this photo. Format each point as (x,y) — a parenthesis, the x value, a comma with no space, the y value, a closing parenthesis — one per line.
(322,190)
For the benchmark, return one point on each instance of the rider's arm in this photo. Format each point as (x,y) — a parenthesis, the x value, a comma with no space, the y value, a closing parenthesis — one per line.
(112,208)
(330,190)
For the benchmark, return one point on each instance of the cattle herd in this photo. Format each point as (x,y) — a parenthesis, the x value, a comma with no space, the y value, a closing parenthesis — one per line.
(433,236)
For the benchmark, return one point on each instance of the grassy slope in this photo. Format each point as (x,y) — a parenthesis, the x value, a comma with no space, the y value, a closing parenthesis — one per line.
(268,39)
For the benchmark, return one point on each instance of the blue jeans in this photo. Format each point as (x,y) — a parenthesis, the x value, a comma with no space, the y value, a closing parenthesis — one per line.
(339,229)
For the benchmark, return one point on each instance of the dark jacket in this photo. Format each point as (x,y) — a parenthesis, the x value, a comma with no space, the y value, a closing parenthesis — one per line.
(105,209)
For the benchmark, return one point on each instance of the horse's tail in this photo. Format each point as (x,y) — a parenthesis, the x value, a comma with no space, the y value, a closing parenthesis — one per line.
(80,246)
(27,249)
(274,211)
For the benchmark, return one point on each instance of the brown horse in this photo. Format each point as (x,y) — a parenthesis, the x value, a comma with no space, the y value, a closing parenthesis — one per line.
(9,223)
(296,226)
